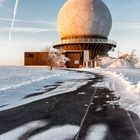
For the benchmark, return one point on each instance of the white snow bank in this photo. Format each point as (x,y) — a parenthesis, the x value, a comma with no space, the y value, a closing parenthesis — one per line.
(126,84)
(57,133)
(118,83)
(16,133)
(97,132)
(131,75)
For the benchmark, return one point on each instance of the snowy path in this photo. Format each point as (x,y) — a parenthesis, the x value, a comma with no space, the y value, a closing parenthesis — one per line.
(59,117)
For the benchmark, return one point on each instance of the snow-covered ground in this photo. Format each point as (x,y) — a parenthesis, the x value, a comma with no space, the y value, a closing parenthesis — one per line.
(97,131)
(16,133)
(58,133)
(55,133)
(18,82)
(123,78)
(125,83)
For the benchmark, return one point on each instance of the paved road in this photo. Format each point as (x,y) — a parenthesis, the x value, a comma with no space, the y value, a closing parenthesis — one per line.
(104,119)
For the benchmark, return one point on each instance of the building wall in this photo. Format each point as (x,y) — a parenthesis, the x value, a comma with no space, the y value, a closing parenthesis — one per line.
(36,59)
(41,59)
(76,59)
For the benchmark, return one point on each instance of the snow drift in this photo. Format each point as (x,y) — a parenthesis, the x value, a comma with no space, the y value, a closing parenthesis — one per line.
(125,83)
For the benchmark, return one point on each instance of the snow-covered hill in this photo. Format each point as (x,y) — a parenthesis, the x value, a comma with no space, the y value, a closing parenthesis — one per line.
(109,62)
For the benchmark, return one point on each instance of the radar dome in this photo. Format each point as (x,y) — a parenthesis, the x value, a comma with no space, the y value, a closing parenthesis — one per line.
(84,18)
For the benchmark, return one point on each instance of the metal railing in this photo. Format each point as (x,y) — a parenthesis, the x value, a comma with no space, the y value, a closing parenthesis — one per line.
(85,40)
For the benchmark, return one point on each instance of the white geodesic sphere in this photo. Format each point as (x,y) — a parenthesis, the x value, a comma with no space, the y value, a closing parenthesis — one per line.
(84,17)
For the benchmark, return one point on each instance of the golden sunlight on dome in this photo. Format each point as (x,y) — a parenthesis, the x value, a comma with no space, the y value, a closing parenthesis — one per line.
(84,18)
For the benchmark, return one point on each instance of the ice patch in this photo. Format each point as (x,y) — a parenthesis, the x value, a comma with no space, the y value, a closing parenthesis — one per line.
(58,133)
(16,133)
(98,109)
(107,96)
(97,132)
(81,93)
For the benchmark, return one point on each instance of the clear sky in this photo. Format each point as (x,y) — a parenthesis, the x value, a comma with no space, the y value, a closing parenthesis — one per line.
(35,26)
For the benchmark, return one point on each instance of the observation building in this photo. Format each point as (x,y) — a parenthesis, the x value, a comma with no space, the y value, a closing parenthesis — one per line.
(84,26)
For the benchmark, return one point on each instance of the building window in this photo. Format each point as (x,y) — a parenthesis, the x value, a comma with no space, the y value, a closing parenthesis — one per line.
(30,55)
(76,62)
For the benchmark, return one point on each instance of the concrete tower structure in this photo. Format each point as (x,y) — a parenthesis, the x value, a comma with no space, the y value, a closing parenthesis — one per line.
(84,26)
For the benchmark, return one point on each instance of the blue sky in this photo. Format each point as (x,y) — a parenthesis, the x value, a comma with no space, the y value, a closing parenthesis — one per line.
(35,26)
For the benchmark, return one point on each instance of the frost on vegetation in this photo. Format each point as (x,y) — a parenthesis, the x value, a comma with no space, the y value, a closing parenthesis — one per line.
(56,57)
